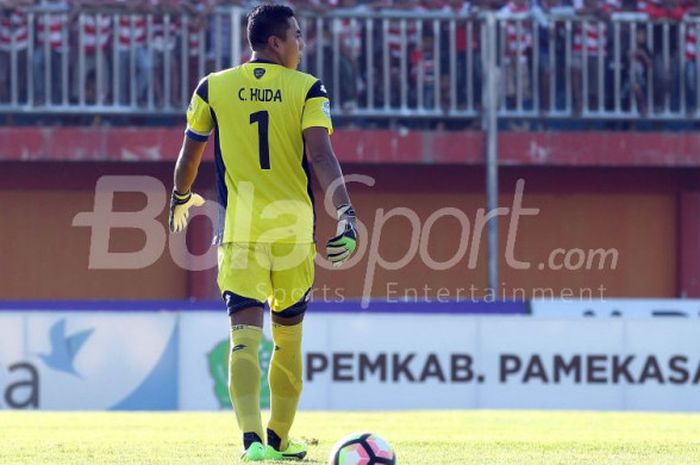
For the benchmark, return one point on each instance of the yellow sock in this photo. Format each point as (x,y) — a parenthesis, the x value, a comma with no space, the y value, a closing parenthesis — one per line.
(285,380)
(244,378)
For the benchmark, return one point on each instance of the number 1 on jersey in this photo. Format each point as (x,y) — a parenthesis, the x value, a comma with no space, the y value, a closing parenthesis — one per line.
(263,120)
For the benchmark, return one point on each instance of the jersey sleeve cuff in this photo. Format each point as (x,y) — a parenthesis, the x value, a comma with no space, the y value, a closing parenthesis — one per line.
(326,126)
(196,136)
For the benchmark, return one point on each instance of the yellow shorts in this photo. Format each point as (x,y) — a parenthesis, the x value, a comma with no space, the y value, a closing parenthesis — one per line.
(251,274)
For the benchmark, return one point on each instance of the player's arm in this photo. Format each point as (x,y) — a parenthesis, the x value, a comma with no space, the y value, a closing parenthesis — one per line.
(317,127)
(185,173)
(187,164)
(199,125)
(320,152)
(325,164)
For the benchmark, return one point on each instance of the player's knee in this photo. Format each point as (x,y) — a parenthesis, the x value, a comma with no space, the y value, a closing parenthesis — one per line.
(293,314)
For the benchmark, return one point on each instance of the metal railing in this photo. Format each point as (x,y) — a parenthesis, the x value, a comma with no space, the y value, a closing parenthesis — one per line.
(624,68)
(375,64)
(393,64)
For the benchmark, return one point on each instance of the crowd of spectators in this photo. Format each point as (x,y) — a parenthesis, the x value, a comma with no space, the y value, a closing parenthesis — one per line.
(423,73)
(650,44)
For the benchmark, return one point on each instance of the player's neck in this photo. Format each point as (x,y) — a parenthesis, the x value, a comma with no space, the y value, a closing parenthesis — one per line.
(265,57)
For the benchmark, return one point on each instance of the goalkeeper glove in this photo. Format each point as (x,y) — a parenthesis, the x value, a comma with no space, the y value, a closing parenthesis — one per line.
(341,247)
(179,209)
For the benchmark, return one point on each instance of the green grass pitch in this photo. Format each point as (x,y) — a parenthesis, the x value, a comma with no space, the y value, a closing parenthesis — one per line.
(425,438)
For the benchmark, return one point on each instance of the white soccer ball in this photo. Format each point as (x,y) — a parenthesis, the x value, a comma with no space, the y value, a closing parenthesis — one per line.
(362,449)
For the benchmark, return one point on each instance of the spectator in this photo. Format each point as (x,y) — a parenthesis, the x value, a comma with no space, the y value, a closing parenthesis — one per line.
(135,64)
(546,48)
(463,46)
(14,40)
(51,46)
(591,33)
(666,69)
(96,36)
(517,54)
(166,60)
(197,13)
(395,39)
(219,52)
(639,64)
(423,67)
(350,34)
(492,5)
(692,10)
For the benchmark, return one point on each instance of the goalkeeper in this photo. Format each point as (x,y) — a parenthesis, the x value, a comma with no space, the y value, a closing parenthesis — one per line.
(268,119)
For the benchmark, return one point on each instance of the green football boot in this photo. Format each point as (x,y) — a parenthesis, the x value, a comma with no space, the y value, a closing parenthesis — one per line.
(296,450)
(254,453)
(254,449)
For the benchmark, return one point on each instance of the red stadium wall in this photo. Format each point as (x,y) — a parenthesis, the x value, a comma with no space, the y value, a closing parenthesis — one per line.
(629,195)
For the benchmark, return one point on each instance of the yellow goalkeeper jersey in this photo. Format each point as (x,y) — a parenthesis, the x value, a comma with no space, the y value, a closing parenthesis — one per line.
(258,112)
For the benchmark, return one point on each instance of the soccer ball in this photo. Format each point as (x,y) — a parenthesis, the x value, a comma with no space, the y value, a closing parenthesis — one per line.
(362,449)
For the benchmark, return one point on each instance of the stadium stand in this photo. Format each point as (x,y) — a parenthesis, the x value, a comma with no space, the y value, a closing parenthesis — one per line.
(403,61)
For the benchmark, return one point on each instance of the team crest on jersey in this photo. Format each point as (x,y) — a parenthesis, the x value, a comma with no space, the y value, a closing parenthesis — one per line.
(259,72)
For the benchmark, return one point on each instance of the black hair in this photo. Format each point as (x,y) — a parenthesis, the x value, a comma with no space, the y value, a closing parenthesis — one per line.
(265,21)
